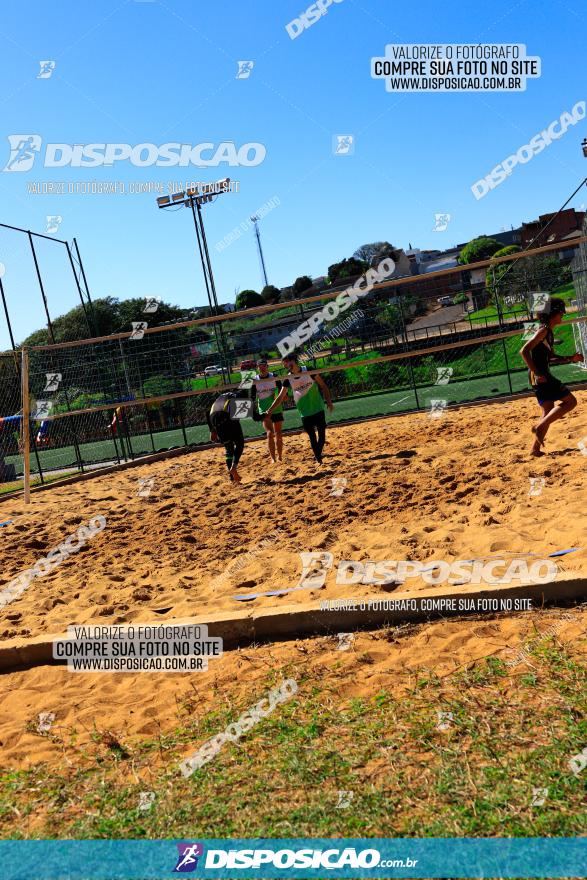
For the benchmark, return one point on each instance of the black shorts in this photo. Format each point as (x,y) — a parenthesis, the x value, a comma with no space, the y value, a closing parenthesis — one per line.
(551,390)
(275,417)
(227,429)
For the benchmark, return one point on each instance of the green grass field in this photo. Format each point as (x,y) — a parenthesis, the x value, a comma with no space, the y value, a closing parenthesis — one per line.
(512,731)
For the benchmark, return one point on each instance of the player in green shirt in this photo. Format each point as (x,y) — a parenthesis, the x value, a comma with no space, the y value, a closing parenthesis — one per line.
(265,389)
(309,393)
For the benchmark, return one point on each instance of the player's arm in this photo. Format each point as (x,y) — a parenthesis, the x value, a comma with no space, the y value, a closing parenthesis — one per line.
(568,359)
(526,352)
(280,397)
(325,391)
(213,434)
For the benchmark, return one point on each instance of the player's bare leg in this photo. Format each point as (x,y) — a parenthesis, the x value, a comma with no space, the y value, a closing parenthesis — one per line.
(268,425)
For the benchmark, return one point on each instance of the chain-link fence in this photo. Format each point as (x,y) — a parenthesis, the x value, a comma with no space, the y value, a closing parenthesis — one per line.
(395,348)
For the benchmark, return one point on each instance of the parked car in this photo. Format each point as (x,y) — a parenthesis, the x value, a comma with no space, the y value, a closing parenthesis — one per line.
(214,370)
(248,365)
(446,301)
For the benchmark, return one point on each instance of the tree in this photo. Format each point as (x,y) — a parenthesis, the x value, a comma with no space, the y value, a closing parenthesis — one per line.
(304,282)
(247,299)
(506,251)
(479,249)
(347,268)
(270,294)
(366,252)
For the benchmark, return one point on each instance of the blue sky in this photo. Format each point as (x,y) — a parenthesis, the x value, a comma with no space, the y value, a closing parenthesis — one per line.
(159,72)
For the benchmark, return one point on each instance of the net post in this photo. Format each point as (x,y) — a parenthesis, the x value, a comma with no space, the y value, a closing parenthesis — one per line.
(26,426)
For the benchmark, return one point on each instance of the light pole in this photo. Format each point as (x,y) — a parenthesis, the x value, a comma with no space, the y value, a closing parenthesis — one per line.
(255,220)
(194,198)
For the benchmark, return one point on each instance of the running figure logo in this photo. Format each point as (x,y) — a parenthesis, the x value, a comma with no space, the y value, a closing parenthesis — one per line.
(315,567)
(338,486)
(53,223)
(343,144)
(244,69)
(47,68)
(23,149)
(41,410)
(151,305)
(240,409)
(437,408)
(441,222)
(53,381)
(539,795)
(537,484)
(138,329)
(189,854)
(444,720)
(443,375)
(540,301)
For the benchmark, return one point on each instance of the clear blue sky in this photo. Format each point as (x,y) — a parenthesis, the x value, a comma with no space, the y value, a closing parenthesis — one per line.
(135,72)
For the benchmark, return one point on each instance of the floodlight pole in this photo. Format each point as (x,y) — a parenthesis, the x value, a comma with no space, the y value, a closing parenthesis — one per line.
(209,282)
(193,199)
(255,220)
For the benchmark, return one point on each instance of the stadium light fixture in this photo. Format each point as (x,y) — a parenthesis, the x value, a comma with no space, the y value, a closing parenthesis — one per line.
(194,198)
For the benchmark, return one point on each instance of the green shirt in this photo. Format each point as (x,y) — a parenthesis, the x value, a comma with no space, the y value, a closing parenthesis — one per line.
(306,393)
(268,388)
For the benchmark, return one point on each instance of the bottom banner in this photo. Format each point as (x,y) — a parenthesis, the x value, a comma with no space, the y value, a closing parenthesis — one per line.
(296,857)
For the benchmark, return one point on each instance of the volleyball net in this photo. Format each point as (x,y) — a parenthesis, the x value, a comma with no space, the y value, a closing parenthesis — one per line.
(388,349)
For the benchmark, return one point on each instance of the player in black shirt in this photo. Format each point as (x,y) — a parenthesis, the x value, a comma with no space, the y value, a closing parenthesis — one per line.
(225,426)
(538,354)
